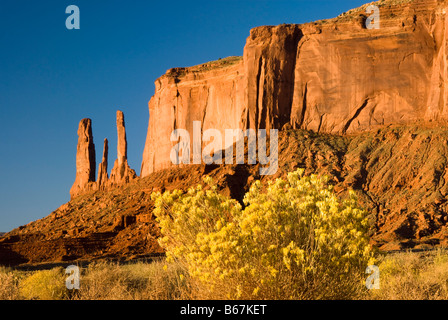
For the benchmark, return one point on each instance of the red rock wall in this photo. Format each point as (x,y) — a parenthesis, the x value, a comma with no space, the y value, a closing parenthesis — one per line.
(333,76)
(214,97)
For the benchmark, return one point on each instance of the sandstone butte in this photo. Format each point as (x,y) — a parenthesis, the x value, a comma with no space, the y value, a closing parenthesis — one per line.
(365,106)
(331,76)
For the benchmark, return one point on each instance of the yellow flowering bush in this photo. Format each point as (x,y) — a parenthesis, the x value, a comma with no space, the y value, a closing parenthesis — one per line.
(294,239)
(44,285)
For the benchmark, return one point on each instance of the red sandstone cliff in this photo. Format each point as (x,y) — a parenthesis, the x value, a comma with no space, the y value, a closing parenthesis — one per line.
(211,93)
(333,76)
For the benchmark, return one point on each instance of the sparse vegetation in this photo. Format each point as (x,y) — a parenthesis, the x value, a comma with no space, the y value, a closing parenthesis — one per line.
(100,280)
(221,62)
(413,276)
(403,276)
(136,281)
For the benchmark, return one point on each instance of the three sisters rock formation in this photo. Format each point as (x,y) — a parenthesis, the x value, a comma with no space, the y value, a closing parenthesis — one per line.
(86,164)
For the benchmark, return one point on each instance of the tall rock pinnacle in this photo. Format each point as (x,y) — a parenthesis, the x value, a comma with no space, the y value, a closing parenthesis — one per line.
(121,172)
(102,170)
(85,159)
(122,146)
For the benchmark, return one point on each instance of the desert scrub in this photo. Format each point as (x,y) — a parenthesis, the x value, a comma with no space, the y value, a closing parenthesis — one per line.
(44,285)
(413,276)
(136,281)
(9,284)
(293,240)
(100,280)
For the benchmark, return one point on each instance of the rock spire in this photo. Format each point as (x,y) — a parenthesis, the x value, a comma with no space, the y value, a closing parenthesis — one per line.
(121,172)
(85,159)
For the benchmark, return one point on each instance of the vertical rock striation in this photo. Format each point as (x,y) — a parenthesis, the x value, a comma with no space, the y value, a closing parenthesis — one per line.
(85,159)
(269,63)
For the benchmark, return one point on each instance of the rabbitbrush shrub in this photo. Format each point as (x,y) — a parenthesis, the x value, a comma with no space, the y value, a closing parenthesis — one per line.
(44,285)
(293,240)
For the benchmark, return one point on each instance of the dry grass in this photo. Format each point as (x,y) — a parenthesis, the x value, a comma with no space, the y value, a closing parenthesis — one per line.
(99,281)
(413,276)
(9,284)
(403,276)
(137,281)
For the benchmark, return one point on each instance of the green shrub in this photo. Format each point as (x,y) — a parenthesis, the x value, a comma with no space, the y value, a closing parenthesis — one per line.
(294,240)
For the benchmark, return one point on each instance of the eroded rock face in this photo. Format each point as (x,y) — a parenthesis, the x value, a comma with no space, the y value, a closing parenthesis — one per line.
(211,93)
(121,172)
(85,159)
(269,63)
(349,79)
(332,76)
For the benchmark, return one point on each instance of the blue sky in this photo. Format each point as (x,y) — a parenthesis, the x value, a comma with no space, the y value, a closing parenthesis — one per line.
(52,77)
